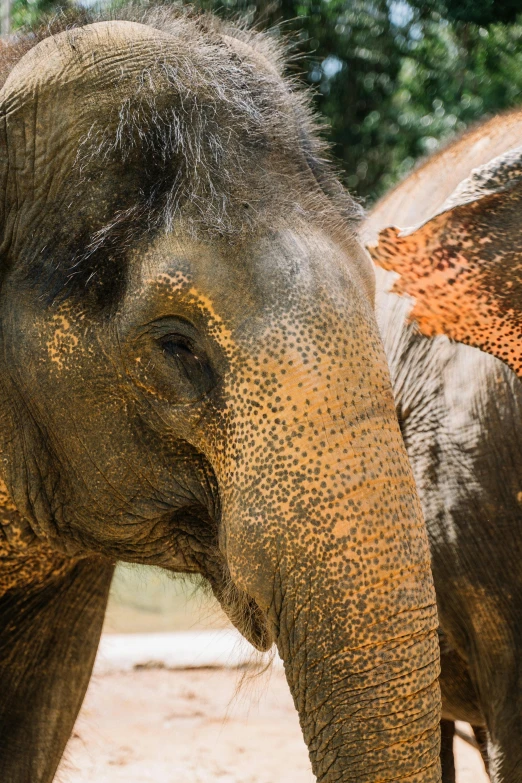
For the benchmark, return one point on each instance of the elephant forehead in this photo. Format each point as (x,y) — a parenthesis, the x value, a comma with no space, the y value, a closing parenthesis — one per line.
(87,71)
(265,277)
(100,86)
(106,52)
(67,89)
(71,88)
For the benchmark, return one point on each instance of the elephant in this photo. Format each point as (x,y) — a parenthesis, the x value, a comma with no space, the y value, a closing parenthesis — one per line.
(459,402)
(192,377)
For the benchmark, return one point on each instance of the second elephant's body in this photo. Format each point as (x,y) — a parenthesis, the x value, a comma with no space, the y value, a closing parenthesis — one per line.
(460,414)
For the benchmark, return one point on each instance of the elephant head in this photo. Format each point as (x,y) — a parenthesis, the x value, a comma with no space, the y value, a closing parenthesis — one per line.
(191,371)
(462,260)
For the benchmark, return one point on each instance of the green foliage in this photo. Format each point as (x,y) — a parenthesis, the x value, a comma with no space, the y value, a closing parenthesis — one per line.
(396,81)
(25,13)
(481,12)
(452,76)
(394,78)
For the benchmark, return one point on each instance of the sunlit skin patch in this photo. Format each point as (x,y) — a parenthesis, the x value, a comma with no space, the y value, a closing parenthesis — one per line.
(63,341)
(477,306)
(23,558)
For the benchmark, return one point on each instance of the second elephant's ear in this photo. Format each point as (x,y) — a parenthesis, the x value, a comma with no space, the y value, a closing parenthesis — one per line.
(463,267)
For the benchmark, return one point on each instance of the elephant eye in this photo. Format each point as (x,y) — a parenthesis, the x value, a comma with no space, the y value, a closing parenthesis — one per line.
(191,365)
(178,347)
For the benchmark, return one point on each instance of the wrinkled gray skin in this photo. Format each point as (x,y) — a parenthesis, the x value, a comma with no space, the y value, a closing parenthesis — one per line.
(191,376)
(460,411)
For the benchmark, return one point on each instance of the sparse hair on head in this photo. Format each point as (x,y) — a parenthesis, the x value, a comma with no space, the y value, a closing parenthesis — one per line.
(221,144)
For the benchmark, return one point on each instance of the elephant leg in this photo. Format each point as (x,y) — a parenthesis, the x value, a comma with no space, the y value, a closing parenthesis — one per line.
(447,760)
(481,736)
(49,633)
(460,700)
(496,675)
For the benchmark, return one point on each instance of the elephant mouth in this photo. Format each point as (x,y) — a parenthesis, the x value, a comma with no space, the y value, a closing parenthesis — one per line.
(244,613)
(197,525)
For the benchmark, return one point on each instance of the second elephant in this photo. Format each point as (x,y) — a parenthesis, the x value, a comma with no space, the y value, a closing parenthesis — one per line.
(460,411)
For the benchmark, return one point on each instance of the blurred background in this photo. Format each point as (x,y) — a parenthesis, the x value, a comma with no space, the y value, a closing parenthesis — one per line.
(148,600)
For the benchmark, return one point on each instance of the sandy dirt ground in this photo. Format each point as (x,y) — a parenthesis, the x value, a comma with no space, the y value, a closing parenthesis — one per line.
(197,726)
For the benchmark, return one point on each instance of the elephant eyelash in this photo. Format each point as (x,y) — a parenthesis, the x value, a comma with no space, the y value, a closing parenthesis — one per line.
(180,344)
(190,362)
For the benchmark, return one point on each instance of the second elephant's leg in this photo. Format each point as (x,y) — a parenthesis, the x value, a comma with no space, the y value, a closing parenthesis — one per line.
(447,759)
(459,702)
(481,735)
(486,691)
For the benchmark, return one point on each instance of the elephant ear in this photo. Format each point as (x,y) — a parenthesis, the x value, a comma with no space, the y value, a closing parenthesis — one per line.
(463,267)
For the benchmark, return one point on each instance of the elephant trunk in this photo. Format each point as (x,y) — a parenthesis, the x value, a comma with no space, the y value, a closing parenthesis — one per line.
(362,663)
(322,529)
